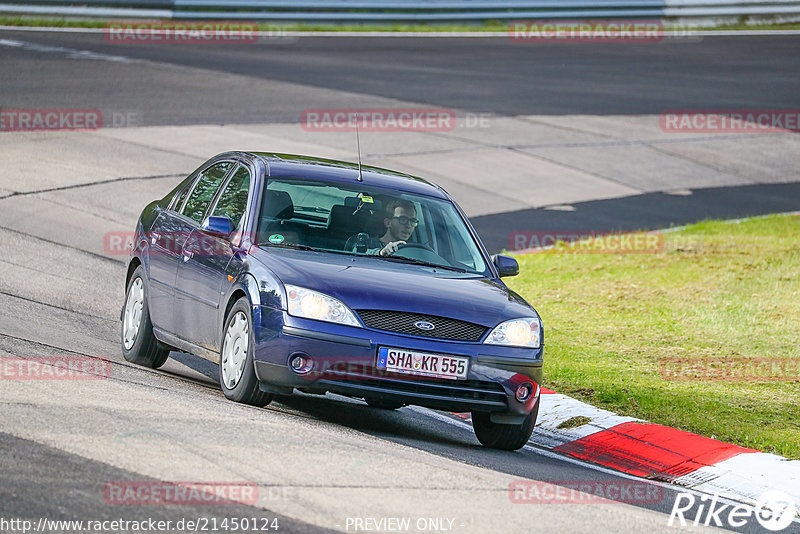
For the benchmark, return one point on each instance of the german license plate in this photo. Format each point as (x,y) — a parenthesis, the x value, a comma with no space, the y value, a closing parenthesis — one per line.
(422,363)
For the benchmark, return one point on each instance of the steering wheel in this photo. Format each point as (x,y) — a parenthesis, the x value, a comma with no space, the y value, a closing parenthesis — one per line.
(419,251)
(423,246)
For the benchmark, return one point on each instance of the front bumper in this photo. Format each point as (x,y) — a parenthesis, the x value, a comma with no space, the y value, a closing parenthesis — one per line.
(344,362)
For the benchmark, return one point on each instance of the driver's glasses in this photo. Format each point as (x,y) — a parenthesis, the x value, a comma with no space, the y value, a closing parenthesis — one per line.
(407,221)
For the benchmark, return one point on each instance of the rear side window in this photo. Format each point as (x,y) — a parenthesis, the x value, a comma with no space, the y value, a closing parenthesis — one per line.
(204,191)
(232,202)
(182,194)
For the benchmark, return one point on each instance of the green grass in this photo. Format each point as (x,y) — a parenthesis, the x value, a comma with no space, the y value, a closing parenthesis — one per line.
(574,422)
(741,26)
(718,291)
(492,26)
(488,26)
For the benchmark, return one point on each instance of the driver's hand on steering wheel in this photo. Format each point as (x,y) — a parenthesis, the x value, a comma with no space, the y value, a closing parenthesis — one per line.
(391,248)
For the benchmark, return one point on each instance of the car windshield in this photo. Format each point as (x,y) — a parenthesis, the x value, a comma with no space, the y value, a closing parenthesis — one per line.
(361,220)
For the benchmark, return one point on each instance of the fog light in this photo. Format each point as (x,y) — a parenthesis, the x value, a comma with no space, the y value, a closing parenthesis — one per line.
(524,391)
(300,363)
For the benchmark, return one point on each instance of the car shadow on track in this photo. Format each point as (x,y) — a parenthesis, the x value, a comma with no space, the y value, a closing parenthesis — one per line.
(401,424)
(408,426)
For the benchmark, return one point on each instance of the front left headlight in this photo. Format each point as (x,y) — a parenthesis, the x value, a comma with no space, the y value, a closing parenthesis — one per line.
(302,302)
(523,332)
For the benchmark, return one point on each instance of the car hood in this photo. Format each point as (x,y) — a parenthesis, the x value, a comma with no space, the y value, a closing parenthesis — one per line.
(372,283)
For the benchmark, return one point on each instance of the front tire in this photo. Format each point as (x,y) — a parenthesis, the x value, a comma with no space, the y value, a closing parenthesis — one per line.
(237,375)
(139,344)
(503,437)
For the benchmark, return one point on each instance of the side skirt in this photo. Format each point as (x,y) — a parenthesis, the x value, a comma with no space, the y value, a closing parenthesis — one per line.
(185,346)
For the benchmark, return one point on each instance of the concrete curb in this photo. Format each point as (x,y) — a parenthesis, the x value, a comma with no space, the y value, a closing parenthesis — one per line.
(655,452)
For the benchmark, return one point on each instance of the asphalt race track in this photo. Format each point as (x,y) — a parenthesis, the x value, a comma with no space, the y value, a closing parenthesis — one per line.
(493,75)
(585,115)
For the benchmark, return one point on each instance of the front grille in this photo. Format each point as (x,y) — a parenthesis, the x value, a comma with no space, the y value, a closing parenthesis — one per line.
(403,323)
(462,392)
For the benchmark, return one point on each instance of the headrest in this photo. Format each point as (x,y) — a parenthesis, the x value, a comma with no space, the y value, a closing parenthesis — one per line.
(355,201)
(342,218)
(278,205)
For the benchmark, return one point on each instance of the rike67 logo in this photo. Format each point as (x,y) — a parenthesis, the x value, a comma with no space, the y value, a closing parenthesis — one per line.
(774,510)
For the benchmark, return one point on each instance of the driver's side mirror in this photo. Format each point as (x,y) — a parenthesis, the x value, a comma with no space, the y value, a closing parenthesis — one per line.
(218,226)
(506,265)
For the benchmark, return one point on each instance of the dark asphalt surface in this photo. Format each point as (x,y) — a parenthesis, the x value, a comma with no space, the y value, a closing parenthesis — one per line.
(650,211)
(495,75)
(37,481)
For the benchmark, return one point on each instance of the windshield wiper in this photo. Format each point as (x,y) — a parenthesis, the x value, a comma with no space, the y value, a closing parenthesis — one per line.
(296,246)
(292,245)
(401,259)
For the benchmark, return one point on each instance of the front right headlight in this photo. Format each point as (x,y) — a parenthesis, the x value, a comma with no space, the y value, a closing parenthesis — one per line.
(302,302)
(523,332)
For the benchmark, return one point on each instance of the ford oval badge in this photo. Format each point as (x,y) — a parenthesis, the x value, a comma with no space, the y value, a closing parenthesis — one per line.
(424,325)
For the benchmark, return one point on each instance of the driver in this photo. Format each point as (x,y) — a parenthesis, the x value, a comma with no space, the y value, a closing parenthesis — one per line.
(400,221)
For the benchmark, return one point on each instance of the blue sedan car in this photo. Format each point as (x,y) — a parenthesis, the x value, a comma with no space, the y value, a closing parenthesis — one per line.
(300,273)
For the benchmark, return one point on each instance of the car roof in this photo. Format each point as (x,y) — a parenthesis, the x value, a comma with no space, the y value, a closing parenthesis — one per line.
(297,166)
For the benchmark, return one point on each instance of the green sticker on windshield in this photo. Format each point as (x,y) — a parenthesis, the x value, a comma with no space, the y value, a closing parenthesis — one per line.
(276,238)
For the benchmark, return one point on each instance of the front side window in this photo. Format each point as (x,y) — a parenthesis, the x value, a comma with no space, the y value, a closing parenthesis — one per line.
(232,201)
(204,190)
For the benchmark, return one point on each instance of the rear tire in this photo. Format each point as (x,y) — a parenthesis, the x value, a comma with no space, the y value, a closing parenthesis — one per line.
(139,344)
(237,375)
(503,437)
(383,404)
